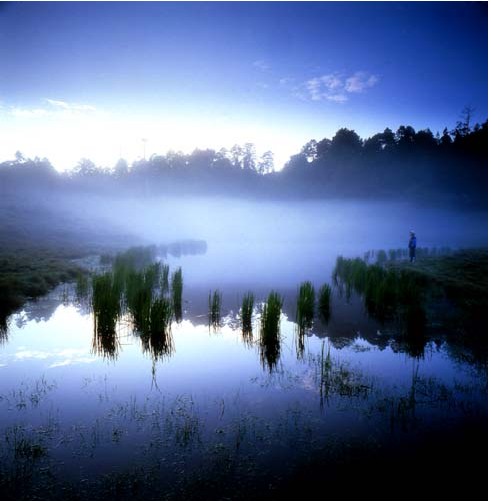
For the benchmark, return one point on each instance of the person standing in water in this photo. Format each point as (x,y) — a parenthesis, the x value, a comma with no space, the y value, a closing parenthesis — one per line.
(412,246)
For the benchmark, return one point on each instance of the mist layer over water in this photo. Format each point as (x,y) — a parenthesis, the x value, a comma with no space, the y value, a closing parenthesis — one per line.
(280,242)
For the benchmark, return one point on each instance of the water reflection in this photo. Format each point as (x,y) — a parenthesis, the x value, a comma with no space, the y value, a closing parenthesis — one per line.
(210,399)
(214,306)
(159,344)
(105,342)
(269,335)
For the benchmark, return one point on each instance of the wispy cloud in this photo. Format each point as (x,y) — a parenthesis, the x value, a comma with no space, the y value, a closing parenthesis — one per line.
(28,112)
(285,81)
(360,81)
(63,105)
(336,87)
(52,107)
(260,64)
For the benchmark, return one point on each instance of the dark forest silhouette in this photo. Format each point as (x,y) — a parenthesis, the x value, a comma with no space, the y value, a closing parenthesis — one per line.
(418,165)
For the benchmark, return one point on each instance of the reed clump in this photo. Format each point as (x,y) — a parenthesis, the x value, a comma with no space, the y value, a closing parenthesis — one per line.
(305,306)
(325,294)
(270,330)
(164,278)
(246,312)
(158,339)
(106,303)
(140,288)
(388,292)
(176,289)
(214,308)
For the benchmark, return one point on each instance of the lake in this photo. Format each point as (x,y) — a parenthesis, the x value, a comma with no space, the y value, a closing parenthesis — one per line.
(211,414)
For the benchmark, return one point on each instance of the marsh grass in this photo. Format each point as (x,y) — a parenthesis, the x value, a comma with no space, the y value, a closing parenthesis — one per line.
(176,292)
(305,306)
(106,304)
(158,339)
(164,278)
(135,258)
(388,292)
(30,272)
(105,344)
(324,305)
(246,312)
(214,307)
(82,286)
(270,330)
(139,300)
(137,287)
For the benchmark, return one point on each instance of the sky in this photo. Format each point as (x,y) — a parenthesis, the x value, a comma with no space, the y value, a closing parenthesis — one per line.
(95,79)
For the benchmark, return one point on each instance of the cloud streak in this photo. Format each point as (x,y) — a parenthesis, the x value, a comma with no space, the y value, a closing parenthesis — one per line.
(53,107)
(63,105)
(336,87)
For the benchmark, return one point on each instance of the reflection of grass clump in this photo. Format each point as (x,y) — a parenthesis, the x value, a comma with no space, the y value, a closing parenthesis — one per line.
(412,293)
(177,287)
(325,302)
(246,316)
(106,298)
(270,330)
(164,279)
(214,306)
(305,306)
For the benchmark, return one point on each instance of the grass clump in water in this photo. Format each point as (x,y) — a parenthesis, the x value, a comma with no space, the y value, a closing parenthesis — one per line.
(246,317)
(305,306)
(325,294)
(177,287)
(164,278)
(270,330)
(158,340)
(214,306)
(106,305)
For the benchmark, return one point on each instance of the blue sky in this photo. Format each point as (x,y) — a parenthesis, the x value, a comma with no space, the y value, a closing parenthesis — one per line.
(93,79)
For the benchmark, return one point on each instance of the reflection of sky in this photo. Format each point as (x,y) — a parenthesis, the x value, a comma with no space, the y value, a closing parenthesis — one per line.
(204,362)
(211,375)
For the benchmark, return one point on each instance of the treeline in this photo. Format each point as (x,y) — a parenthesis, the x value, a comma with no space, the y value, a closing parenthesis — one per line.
(404,163)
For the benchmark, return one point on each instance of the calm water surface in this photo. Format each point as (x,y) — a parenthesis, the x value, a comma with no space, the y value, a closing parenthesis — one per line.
(205,416)
(83,417)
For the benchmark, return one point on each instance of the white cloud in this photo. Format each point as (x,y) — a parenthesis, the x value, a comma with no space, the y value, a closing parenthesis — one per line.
(332,82)
(337,98)
(336,87)
(63,105)
(56,107)
(28,112)
(359,82)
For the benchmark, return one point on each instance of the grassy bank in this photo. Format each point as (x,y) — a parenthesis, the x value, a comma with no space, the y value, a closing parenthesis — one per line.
(444,293)
(28,273)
